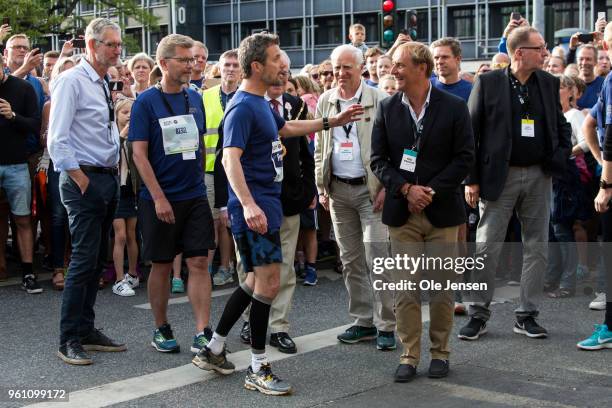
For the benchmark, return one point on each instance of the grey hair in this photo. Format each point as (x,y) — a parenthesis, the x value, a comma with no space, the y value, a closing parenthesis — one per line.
(97,26)
(284,55)
(357,54)
(58,68)
(253,49)
(167,46)
(141,56)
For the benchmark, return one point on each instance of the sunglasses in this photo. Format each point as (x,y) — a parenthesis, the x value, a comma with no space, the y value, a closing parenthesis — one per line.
(314,76)
(326,73)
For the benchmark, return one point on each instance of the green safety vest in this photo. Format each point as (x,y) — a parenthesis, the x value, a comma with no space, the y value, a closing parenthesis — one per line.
(214,115)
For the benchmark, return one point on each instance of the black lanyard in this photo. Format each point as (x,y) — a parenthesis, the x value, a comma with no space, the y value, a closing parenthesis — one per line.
(347,128)
(417,129)
(109,103)
(522,92)
(228,97)
(159,88)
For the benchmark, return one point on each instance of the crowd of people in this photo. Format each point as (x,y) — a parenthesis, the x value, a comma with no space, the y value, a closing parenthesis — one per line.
(240,169)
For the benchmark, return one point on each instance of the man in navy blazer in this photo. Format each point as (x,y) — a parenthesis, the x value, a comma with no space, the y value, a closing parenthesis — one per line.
(422,149)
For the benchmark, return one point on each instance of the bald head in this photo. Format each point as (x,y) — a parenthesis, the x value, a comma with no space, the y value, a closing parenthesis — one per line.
(500,59)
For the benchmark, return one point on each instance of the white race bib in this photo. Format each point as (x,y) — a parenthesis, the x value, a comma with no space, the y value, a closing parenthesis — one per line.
(277,160)
(180,134)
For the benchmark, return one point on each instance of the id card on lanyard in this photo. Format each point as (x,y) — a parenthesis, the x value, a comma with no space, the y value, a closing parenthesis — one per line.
(522,92)
(409,158)
(345,149)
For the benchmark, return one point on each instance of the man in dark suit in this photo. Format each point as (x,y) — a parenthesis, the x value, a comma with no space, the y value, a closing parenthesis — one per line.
(422,149)
(521,138)
(298,192)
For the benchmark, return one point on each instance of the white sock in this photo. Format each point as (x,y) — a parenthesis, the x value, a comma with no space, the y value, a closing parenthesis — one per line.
(216,344)
(257,360)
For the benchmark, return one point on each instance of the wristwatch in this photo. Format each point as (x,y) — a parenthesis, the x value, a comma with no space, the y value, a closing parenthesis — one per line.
(604,185)
(325,123)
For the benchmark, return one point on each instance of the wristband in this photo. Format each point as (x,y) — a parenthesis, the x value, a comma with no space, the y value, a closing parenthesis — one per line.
(325,123)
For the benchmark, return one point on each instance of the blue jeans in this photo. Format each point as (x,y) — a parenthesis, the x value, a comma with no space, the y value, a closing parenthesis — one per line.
(562,256)
(90,217)
(59,218)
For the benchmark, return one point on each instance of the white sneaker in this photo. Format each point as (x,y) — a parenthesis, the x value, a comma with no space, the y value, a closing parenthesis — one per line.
(133,281)
(122,288)
(599,303)
(222,277)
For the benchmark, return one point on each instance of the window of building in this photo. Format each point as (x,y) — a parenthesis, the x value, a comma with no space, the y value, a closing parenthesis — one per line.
(218,38)
(461,22)
(371,24)
(247,29)
(86,6)
(328,30)
(423,25)
(290,33)
(133,40)
(156,37)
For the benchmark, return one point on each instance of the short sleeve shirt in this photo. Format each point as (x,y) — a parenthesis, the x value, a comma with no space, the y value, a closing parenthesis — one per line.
(602,111)
(251,126)
(180,176)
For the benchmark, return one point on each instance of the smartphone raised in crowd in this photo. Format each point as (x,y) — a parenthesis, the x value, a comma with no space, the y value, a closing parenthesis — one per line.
(601,14)
(115,86)
(585,38)
(515,16)
(78,43)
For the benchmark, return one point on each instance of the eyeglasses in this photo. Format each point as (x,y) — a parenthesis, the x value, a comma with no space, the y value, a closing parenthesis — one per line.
(20,47)
(184,61)
(541,48)
(326,73)
(114,46)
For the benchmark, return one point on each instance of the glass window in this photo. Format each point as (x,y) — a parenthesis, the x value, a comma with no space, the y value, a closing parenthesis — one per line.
(289,32)
(247,29)
(156,37)
(218,38)
(328,31)
(87,6)
(371,24)
(133,40)
(423,25)
(461,22)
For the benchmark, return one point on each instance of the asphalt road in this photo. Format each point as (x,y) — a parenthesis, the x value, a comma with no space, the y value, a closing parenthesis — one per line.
(502,369)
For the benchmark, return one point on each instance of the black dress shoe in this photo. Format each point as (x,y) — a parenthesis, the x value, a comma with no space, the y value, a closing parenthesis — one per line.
(245,333)
(283,343)
(72,353)
(405,373)
(438,368)
(98,341)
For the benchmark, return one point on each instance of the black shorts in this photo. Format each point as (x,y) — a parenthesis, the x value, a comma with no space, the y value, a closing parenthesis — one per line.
(192,233)
(258,250)
(308,219)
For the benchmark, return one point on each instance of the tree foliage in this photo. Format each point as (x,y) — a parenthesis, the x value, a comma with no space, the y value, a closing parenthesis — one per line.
(38,18)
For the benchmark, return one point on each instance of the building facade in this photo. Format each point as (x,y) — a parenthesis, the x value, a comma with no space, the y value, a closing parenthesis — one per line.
(310,29)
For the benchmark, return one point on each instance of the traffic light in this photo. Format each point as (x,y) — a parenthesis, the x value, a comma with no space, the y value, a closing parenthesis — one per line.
(389,23)
(412,24)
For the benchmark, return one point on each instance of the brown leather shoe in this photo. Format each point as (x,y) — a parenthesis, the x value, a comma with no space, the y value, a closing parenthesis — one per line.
(58,279)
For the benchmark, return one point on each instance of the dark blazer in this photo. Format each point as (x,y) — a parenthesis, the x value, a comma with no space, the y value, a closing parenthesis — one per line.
(298,187)
(491,111)
(444,159)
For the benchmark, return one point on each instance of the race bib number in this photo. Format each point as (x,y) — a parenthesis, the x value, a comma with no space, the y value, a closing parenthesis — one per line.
(179,135)
(277,160)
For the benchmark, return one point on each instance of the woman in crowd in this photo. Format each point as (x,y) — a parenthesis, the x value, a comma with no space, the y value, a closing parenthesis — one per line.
(124,224)
(140,66)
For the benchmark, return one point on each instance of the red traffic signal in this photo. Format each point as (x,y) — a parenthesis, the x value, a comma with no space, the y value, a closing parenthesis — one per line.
(388,6)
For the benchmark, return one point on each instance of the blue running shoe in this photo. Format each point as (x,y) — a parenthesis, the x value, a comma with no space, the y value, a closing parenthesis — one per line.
(200,340)
(177,285)
(310,278)
(600,339)
(164,341)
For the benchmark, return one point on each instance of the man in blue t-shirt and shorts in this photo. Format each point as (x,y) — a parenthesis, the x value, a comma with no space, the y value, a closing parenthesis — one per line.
(252,158)
(166,127)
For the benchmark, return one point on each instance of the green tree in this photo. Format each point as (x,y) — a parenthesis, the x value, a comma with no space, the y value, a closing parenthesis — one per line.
(39,18)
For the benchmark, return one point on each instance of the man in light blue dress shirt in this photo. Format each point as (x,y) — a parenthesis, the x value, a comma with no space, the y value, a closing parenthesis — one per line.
(83,143)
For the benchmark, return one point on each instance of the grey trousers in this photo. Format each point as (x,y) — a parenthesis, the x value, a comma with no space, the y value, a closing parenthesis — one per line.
(361,236)
(529,191)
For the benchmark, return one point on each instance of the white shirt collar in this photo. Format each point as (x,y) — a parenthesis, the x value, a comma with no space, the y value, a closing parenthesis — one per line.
(91,72)
(406,102)
(354,98)
(279,99)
